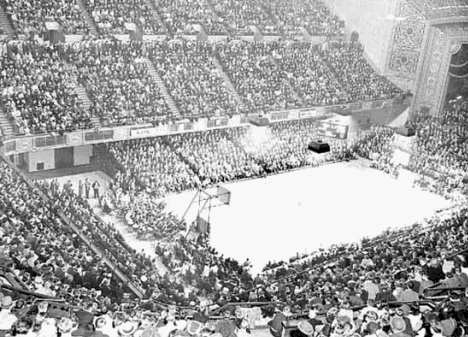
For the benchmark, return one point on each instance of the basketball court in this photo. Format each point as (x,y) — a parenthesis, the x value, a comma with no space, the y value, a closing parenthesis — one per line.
(273,218)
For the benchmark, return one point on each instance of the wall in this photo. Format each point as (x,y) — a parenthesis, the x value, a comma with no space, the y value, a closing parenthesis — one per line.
(394,116)
(372,19)
(33,158)
(82,154)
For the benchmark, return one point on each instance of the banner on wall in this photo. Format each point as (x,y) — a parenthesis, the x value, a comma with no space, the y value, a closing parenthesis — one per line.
(74,138)
(143,132)
(307,113)
(24,144)
(212,123)
(277,116)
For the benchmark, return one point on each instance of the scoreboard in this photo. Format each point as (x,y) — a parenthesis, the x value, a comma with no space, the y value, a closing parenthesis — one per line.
(332,130)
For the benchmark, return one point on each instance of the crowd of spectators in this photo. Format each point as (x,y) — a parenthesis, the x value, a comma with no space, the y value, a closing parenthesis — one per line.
(188,71)
(194,266)
(372,288)
(314,16)
(180,17)
(150,165)
(123,89)
(284,146)
(259,81)
(183,16)
(441,149)
(104,236)
(38,92)
(116,78)
(30,16)
(352,70)
(48,256)
(111,16)
(377,144)
(309,74)
(411,258)
(239,16)
(215,157)
(148,217)
(382,279)
(161,166)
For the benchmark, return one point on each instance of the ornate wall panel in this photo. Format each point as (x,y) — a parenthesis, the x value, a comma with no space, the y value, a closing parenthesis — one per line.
(406,42)
(443,42)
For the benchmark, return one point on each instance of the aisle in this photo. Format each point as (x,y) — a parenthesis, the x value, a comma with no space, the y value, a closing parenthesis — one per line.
(141,246)
(146,247)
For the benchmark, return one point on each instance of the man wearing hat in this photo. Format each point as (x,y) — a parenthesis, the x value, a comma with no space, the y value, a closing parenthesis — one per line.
(226,327)
(127,329)
(276,325)
(385,295)
(398,326)
(304,329)
(373,329)
(403,312)
(65,326)
(85,321)
(7,319)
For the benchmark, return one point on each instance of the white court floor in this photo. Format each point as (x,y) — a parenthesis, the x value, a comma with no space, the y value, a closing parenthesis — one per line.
(272,219)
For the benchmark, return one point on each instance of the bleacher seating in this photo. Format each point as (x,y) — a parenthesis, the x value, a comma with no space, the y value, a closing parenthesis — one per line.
(117,81)
(37,91)
(266,77)
(112,15)
(383,286)
(189,74)
(30,16)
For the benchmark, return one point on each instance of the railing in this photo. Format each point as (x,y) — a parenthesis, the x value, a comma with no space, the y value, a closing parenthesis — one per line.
(30,143)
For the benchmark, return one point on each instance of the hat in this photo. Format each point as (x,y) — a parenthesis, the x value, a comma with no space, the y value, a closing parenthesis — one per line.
(127,328)
(100,322)
(38,280)
(372,314)
(398,324)
(343,319)
(406,309)
(194,327)
(448,327)
(316,301)
(85,320)
(430,316)
(306,328)
(332,311)
(226,328)
(372,327)
(7,302)
(42,307)
(65,324)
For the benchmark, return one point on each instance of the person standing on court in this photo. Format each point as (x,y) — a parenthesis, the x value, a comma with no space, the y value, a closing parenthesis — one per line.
(96,189)
(87,187)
